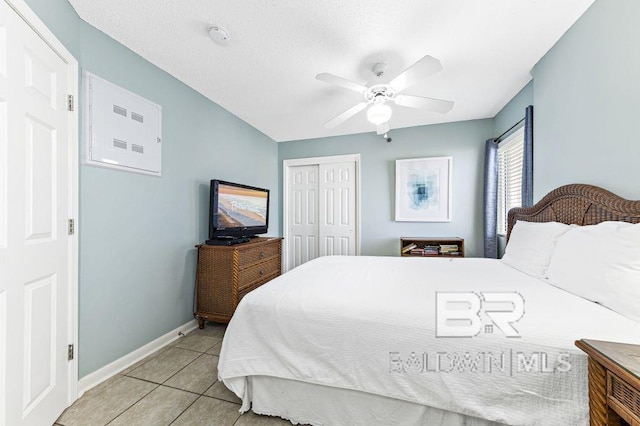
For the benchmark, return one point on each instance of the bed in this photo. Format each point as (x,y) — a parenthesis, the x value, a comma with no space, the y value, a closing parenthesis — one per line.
(363,341)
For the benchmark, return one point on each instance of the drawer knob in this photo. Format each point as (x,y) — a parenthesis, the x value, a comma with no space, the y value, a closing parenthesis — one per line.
(261,271)
(261,254)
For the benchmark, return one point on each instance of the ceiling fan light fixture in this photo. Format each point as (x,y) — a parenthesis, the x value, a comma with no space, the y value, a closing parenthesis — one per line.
(378,96)
(379,113)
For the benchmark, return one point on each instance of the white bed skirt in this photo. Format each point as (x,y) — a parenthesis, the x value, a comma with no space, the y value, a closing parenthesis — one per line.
(305,403)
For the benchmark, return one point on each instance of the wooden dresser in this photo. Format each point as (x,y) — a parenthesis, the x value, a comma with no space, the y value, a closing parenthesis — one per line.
(227,273)
(614,382)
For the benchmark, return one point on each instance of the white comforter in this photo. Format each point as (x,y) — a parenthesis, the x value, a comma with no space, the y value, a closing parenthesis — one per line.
(368,324)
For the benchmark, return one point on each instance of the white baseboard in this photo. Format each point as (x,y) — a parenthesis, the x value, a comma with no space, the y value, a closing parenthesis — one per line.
(110,370)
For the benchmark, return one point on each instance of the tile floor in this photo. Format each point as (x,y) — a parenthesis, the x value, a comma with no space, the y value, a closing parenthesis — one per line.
(176,385)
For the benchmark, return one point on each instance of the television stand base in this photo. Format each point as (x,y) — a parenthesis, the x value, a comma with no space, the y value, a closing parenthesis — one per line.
(227,241)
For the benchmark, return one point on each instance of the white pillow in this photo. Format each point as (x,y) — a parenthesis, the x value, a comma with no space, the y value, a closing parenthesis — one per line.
(531,244)
(600,263)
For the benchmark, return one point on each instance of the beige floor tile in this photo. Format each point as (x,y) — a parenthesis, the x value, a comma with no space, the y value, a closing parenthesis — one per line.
(159,408)
(165,365)
(215,350)
(208,411)
(196,342)
(142,361)
(105,402)
(211,329)
(220,391)
(197,376)
(251,419)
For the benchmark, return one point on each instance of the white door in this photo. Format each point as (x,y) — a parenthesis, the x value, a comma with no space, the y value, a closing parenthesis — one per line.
(303,215)
(337,209)
(320,208)
(37,190)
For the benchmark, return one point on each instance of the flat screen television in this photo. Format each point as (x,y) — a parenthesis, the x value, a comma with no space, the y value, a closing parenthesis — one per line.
(236,212)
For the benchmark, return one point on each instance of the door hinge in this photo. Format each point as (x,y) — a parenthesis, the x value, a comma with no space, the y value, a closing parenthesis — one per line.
(70,353)
(70,103)
(71,227)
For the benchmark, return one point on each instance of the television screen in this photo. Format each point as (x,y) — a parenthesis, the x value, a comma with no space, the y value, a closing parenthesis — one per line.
(237,210)
(241,207)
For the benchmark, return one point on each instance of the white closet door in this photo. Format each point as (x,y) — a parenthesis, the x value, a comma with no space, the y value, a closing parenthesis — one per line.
(337,209)
(35,250)
(302,244)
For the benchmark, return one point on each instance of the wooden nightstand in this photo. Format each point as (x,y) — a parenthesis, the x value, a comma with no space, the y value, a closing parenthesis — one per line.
(614,382)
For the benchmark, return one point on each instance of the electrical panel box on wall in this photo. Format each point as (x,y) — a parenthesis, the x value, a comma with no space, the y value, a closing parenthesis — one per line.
(123,130)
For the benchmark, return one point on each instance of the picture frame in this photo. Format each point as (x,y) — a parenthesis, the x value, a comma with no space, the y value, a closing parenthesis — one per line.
(423,189)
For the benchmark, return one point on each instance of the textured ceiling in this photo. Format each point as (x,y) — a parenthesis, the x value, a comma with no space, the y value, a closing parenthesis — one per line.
(266,74)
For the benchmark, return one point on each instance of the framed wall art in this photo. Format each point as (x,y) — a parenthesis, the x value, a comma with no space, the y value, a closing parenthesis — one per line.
(423,189)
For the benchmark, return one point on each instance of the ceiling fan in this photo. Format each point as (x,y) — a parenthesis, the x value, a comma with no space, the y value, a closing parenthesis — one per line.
(377,95)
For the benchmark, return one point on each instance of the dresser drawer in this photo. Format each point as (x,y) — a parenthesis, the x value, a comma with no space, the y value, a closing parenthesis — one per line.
(258,273)
(624,398)
(247,257)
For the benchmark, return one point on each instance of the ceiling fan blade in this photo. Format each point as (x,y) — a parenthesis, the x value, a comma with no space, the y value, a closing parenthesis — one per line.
(342,82)
(430,104)
(382,128)
(336,121)
(423,68)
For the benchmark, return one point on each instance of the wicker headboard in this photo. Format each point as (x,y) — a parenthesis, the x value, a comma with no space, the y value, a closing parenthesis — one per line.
(577,204)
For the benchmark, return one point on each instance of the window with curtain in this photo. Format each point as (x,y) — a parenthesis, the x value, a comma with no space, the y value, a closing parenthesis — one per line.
(510,163)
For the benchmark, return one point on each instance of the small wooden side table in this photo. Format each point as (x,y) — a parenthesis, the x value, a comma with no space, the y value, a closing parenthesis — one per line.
(431,247)
(614,382)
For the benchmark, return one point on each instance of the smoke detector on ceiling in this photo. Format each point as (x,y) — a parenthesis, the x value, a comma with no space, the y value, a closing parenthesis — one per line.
(219,35)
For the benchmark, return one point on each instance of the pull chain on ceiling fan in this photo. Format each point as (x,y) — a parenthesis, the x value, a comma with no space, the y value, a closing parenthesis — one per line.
(377,96)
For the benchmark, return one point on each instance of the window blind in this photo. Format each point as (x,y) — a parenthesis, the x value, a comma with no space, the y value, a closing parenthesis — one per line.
(510,160)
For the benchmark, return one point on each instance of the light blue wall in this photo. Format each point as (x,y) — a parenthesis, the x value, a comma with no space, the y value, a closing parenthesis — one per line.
(514,110)
(464,141)
(587,103)
(137,232)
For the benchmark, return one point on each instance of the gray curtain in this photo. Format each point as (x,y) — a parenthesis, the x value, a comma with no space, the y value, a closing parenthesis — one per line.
(491,199)
(527,162)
